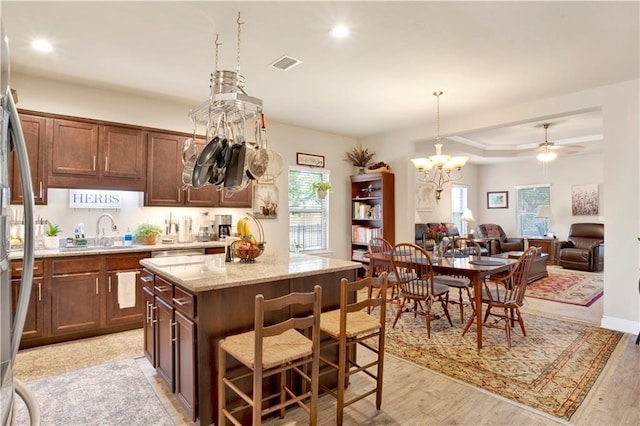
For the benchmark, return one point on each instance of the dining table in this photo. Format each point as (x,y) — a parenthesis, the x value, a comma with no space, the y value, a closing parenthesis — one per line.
(476,268)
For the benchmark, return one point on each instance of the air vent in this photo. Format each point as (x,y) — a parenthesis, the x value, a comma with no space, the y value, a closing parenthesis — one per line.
(285,63)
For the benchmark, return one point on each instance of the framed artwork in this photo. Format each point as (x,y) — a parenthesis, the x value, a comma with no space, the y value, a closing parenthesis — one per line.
(425,196)
(309,159)
(584,200)
(498,200)
(265,201)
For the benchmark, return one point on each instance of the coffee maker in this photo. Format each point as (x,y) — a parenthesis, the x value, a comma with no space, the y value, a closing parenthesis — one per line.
(223,225)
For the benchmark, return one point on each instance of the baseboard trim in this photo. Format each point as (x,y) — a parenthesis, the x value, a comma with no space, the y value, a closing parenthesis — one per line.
(620,324)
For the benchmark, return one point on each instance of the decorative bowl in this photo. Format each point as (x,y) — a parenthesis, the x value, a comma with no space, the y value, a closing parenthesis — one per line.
(246,251)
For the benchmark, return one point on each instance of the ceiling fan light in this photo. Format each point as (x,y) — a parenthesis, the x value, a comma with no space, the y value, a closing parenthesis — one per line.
(545,157)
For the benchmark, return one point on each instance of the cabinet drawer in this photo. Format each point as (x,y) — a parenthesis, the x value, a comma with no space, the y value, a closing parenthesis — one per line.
(148,279)
(16,268)
(119,262)
(70,265)
(184,302)
(163,289)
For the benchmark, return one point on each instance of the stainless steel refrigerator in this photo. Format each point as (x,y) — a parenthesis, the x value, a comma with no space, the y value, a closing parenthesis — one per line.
(12,323)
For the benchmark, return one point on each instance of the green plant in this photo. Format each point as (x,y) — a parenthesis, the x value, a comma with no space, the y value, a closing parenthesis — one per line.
(52,230)
(321,186)
(146,230)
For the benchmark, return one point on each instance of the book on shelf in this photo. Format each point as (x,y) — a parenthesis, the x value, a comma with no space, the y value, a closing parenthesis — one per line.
(366,211)
(364,234)
(360,255)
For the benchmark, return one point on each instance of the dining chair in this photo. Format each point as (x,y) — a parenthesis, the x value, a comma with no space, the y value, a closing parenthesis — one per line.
(274,348)
(382,246)
(506,293)
(352,326)
(417,284)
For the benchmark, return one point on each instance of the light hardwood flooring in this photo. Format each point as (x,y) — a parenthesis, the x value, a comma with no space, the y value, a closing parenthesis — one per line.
(418,396)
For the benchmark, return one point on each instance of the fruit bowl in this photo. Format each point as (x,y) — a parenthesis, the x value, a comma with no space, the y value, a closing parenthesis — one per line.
(246,251)
(248,248)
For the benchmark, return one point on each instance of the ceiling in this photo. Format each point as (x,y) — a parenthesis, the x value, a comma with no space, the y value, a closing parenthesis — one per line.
(380,78)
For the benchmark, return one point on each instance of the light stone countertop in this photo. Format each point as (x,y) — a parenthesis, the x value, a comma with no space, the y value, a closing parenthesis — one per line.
(84,251)
(210,272)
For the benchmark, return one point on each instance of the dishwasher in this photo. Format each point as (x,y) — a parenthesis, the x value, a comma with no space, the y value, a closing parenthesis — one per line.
(178,252)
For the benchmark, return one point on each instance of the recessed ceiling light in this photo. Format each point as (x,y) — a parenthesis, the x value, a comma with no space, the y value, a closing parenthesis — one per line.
(41,45)
(340,31)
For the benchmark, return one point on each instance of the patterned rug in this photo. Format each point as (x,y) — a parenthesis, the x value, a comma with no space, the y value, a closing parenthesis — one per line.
(552,369)
(116,393)
(571,287)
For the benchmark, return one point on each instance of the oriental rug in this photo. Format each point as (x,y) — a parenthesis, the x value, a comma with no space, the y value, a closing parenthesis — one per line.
(551,369)
(116,393)
(570,287)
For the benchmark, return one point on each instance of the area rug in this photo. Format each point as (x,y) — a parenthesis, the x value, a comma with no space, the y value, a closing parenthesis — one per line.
(551,369)
(571,287)
(116,393)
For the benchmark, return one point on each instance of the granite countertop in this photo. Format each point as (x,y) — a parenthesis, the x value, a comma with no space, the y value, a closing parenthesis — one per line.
(84,251)
(210,272)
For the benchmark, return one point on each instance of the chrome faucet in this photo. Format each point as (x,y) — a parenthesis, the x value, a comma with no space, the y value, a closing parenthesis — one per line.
(113,227)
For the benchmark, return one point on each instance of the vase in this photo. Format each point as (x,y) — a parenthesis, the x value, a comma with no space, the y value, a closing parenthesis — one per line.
(322,194)
(437,252)
(361,170)
(51,242)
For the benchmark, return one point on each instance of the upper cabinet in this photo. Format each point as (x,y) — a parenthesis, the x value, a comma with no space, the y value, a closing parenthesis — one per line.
(35,135)
(164,175)
(89,155)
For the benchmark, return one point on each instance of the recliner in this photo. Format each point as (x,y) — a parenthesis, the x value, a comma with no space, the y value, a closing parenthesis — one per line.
(496,240)
(584,248)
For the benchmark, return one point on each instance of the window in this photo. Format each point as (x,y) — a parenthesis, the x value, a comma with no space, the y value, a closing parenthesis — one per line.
(529,198)
(458,206)
(308,214)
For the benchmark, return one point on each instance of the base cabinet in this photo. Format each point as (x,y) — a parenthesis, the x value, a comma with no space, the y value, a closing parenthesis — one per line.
(170,338)
(75,303)
(34,325)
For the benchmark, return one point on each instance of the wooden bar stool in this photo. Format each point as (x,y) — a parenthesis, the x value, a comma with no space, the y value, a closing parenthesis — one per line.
(274,349)
(350,327)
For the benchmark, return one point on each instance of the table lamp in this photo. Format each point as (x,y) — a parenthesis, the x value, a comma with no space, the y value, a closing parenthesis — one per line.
(467,217)
(544,212)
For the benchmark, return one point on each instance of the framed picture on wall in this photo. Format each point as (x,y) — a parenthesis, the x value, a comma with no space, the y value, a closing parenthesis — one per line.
(584,200)
(498,200)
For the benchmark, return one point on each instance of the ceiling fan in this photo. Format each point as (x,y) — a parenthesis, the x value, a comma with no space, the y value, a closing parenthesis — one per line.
(548,151)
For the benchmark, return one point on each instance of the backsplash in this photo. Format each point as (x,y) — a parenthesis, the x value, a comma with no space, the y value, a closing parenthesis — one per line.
(129,216)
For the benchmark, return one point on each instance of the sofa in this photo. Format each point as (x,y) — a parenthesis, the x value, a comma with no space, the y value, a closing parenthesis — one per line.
(423,239)
(495,240)
(584,247)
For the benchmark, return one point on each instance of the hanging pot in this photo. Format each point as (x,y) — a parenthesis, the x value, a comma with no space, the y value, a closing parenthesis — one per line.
(189,164)
(235,171)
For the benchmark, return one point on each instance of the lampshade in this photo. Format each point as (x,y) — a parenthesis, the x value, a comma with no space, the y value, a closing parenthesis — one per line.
(467,216)
(543,211)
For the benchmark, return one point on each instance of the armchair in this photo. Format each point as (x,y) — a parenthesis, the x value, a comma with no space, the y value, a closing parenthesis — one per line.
(496,241)
(584,248)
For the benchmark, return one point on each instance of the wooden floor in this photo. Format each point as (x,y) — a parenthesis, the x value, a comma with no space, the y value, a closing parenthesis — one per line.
(417,396)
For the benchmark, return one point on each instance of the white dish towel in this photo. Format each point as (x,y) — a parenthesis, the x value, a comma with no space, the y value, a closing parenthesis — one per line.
(127,289)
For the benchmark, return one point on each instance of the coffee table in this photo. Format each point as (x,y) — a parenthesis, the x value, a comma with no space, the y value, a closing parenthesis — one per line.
(538,268)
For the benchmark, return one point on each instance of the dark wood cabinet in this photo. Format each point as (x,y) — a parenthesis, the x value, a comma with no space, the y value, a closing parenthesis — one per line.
(546,245)
(372,211)
(242,198)
(185,363)
(34,325)
(75,302)
(35,135)
(89,155)
(170,338)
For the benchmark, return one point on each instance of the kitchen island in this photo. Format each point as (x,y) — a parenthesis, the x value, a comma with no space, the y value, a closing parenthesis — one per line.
(193,302)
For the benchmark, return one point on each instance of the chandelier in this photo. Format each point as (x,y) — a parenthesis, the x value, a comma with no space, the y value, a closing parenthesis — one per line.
(439,169)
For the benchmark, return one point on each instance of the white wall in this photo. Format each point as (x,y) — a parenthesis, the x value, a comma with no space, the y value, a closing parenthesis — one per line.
(619,181)
(62,98)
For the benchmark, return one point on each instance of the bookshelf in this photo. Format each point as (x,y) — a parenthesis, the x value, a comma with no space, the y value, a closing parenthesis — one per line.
(372,211)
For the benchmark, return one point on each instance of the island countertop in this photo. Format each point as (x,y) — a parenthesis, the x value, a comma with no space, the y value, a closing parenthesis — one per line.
(210,272)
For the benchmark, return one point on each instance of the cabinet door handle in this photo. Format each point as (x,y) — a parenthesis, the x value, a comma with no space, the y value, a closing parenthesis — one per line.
(181,302)
(109,284)
(162,289)
(39,292)
(41,190)
(172,331)
(154,320)
(97,286)
(148,313)
(179,190)
(106,164)
(147,279)
(94,163)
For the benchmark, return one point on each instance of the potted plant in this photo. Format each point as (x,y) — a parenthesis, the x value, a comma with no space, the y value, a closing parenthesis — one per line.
(359,157)
(321,188)
(147,233)
(51,240)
